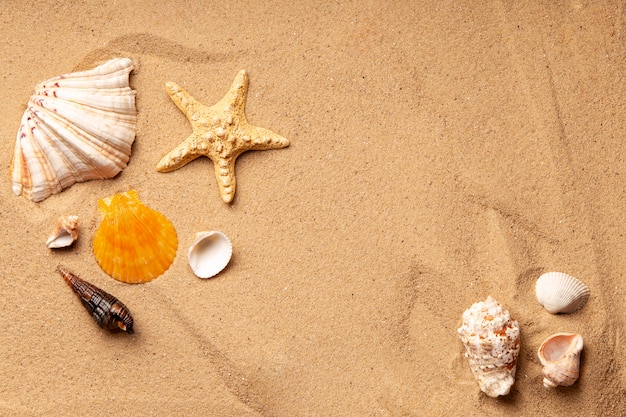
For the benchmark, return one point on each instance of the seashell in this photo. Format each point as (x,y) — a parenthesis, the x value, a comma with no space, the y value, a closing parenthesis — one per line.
(133,243)
(492,343)
(76,127)
(109,312)
(560,356)
(209,253)
(65,233)
(558,292)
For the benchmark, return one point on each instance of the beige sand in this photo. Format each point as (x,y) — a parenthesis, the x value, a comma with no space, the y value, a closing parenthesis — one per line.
(440,152)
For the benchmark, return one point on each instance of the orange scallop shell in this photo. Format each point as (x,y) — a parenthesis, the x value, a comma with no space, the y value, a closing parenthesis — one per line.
(133,243)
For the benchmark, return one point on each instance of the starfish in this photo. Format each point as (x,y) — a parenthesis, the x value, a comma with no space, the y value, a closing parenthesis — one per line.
(220,132)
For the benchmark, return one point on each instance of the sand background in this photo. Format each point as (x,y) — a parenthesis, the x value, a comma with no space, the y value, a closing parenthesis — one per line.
(440,152)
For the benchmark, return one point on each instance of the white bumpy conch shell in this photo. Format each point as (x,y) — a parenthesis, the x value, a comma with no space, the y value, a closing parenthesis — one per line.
(558,292)
(76,127)
(492,342)
(560,356)
(209,253)
(65,233)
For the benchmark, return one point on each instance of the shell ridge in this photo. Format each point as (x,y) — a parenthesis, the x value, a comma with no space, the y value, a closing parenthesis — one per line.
(19,170)
(43,181)
(42,133)
(78,151)
(111,73)
(121,105)
(104,124)
(561,293)
(83,144)
(85,124)
(119,227)
(134,243)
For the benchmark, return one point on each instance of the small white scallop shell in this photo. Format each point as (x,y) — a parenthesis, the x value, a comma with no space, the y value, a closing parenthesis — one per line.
(209,253)
(558,292)
(65,233)
(560,356)
(76,127)
(492,343)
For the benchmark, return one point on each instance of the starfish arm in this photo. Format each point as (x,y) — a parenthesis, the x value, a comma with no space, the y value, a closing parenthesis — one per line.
(260,139)
(183,100)
(234,102)
(177,157)
(225,176)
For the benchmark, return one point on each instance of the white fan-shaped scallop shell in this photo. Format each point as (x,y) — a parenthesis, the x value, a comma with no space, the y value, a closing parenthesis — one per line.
(76,127)
(209,253)
(492,343)
(560,356)
(558,292)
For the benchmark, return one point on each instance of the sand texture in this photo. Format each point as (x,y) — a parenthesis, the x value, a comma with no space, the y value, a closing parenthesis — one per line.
(440,152)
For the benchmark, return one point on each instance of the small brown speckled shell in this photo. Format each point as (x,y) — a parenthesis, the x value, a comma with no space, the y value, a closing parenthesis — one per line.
(109,312)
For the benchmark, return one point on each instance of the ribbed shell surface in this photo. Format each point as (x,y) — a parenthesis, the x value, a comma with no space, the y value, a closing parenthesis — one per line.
(133,243)
(558,292)
(76,127)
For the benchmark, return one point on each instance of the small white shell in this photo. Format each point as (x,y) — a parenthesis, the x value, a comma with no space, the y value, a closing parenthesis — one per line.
(209,253)
(560,356)
(76,127)
(558,292)
(65,232)
(492,343)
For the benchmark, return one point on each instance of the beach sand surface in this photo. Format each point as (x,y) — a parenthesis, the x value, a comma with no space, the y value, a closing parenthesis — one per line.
(440,152)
